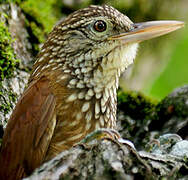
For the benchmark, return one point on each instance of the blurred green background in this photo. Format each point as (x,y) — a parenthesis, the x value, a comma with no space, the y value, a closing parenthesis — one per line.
(161,64)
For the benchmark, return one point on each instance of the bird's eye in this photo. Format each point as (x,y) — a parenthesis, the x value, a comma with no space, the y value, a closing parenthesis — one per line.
(100,26)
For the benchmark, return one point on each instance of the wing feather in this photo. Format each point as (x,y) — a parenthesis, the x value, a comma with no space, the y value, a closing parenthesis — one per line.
(29,131)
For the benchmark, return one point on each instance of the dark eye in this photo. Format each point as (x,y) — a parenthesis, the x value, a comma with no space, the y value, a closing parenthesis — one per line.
(100,26)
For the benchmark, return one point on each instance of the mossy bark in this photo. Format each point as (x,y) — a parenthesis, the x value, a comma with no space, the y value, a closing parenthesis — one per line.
(16,58)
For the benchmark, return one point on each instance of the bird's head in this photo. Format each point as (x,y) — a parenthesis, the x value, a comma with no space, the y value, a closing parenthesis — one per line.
(97,43)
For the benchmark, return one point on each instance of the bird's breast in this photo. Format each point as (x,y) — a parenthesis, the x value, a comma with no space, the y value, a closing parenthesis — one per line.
(78,116)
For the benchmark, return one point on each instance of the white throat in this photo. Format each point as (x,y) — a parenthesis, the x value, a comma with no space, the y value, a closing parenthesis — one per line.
(113,65)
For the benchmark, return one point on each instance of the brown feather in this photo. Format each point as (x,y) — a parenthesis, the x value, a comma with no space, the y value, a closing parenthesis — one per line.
(23,143)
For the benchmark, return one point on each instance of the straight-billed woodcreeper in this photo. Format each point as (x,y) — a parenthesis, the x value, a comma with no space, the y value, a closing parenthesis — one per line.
(73,84)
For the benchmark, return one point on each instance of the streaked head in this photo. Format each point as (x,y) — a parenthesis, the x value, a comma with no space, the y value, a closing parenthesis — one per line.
(99,41)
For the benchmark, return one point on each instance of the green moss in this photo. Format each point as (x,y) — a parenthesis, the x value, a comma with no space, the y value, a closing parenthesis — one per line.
(41,16)
(7,57)
(134,111)
(135,104)
(8,64)
(7,103)
(174,104)
(171,113)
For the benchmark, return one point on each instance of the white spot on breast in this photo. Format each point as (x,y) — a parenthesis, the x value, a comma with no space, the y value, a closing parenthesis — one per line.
(108,112)
(90,92)
(46,54)
(63,77)
(80,58)
(87,97)
(59,60)
(73,81)
(56,48)
(43,68)
(97,107)
(54,40)
(43,50)
(51,61)
(98,95)
(59,65)
(101,120)
(77,71)
(84,70)
(81,95)
(47,66)
(67,71)
(88,116)
(50,47)
(54,68)
(41,59)
(86,80)
(97,125)
(62,55)
(72,97)
(97,89)
(80,85)
(88,126)
(85,106)
(103,101)
(54,53)
(103,108)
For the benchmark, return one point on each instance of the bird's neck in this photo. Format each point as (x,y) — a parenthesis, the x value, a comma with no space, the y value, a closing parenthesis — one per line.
(95,80)
(96,85)
(101,70)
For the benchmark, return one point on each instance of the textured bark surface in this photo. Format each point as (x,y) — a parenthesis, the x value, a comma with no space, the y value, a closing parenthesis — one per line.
(139,120)
(12,88)
(109,160)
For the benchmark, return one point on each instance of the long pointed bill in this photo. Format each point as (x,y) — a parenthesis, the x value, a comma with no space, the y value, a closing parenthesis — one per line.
(148,30)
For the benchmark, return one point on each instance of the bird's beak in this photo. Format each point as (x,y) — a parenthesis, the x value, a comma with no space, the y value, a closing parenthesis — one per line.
(148,30)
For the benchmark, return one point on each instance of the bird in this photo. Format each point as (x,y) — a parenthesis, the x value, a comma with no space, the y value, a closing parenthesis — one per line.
(72,90)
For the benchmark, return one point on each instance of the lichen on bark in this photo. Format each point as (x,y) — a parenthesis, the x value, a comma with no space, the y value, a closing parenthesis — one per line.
(13,75)
(8,60)
(8,64)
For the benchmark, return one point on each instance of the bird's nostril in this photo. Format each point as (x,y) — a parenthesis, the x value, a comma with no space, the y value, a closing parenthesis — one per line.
(135,25)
